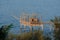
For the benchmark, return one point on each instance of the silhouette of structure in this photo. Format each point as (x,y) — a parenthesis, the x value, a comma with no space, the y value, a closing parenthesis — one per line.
(31,20)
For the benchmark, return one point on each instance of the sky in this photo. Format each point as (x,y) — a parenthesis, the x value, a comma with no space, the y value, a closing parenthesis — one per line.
(46,8)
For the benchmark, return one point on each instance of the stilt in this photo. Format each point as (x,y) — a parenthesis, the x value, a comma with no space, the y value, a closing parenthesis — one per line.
(42,27)
(20,28)
(32,33)
(38,28)
(30,28)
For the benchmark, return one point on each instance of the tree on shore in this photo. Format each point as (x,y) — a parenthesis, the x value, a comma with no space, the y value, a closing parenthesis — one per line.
(4,31)
(56,22)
